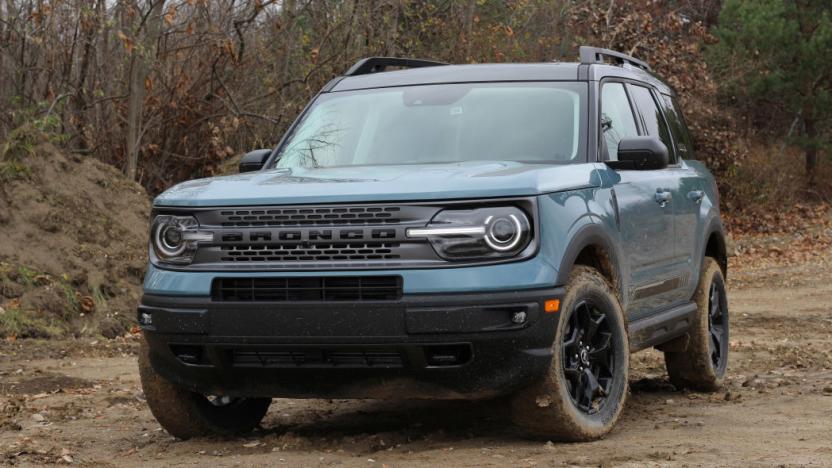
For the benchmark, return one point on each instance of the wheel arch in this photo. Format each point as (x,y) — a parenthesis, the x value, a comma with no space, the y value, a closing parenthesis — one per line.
(592,246)
(715,246)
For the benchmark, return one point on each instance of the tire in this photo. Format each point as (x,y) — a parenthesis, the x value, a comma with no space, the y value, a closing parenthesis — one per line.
(185,414)
(702,364)
(555,407)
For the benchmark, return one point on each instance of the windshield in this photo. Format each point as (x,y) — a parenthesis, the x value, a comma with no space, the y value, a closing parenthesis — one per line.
(530,122)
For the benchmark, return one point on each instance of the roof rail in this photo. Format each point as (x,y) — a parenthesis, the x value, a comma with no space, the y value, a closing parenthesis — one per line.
(596,55)
(369,65)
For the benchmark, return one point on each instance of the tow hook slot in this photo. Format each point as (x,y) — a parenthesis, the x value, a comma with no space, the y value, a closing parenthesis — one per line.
(189,354)
(447,355)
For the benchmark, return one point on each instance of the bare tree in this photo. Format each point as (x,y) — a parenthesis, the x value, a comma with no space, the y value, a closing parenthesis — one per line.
(143,52)
(169,90)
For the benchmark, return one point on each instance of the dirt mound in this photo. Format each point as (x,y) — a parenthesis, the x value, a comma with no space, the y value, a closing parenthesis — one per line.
(73,241)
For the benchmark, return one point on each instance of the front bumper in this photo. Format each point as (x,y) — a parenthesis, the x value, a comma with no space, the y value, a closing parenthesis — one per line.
(438,346)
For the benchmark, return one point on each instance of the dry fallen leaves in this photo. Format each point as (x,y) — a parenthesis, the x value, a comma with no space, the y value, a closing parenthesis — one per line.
(87,304)
(787,237)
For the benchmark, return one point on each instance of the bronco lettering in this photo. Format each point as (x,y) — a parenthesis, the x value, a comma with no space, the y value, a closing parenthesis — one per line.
(312,235)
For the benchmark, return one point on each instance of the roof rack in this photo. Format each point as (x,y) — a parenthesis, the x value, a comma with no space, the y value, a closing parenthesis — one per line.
(369,65)
(596,55)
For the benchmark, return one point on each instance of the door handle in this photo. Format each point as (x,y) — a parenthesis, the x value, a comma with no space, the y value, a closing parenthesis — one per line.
(696,196)
(663,197)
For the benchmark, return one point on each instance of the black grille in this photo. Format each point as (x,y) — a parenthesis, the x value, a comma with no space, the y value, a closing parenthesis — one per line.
(364,236)
(313,252)
(331,216)
(345,358)
(341,288)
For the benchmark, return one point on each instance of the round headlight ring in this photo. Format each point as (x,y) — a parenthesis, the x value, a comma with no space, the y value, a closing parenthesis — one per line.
(162,239)
(492,238)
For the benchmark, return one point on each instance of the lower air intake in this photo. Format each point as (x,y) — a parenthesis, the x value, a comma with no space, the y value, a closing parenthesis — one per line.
(322,358)
(308,289)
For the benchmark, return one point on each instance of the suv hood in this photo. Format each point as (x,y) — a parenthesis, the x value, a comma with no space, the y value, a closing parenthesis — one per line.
(381,183)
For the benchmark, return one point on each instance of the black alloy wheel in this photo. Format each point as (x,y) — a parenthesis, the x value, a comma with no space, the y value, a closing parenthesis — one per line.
(588,357)
(717,326)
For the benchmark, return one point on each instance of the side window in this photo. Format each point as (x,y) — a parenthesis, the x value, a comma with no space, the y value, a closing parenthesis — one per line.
(617,119)
(678,129)
(652,117)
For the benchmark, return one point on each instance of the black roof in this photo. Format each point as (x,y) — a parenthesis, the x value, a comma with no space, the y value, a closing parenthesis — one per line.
(599,71)
(462,74)
(370,72)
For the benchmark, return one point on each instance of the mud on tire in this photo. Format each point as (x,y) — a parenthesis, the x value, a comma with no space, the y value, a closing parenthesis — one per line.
(702,364)
(185,414)
(591,338)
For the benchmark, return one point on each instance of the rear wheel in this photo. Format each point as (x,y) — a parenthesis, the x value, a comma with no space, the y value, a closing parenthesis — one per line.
(582,395)
(185,414)
(702,364)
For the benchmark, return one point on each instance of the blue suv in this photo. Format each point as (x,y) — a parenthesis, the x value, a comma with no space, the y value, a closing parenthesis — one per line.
(444,232)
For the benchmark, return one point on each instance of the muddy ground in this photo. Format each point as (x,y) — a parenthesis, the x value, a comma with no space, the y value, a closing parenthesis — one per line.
(80,402)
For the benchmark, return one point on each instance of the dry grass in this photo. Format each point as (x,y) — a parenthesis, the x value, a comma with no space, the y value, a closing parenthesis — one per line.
(770,184)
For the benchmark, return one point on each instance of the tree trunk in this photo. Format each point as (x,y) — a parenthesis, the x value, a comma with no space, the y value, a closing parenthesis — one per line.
(141,57)
(135,102)
(811,151)
(289,43)
(391,28)
(470,13)
(89,28)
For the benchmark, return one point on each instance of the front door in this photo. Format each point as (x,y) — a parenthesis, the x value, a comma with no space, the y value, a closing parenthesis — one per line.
(646,205)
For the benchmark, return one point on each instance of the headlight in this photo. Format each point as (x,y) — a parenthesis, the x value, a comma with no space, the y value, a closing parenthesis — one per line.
(478,233)
(175,238)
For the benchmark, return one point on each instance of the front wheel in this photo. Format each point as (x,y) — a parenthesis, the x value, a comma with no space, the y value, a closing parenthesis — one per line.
(185,414)
(584,391)
(702,365)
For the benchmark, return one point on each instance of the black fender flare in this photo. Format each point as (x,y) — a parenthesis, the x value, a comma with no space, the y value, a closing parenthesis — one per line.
(715,227)
(587,235)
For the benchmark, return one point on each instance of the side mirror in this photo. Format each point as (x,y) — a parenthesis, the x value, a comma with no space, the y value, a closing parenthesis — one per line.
(254,160)
(641,153)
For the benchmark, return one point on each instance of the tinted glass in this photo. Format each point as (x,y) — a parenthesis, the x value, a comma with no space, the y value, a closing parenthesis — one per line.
(678,129)
(617,119)
(529,122)
(652,117)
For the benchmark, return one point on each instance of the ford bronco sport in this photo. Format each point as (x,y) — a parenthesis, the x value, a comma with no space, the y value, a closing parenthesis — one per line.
(446,232)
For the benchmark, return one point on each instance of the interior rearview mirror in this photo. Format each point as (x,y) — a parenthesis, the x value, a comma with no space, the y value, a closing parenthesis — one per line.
(254,160)
(642,153)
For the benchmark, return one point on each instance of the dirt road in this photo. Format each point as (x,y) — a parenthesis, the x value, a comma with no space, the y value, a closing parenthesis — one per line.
(80,403)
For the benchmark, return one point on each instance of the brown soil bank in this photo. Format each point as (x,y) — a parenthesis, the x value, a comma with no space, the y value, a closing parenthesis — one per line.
(72,242)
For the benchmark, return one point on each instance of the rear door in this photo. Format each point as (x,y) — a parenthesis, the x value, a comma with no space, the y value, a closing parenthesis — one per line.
(674,277)
(645,222)
(689,218)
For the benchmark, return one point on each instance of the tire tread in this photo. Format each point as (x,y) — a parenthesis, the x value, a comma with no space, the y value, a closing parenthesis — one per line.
(692,367)
(179,413)
(539,409)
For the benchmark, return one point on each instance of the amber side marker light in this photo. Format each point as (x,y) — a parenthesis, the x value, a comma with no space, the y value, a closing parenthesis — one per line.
(551,306)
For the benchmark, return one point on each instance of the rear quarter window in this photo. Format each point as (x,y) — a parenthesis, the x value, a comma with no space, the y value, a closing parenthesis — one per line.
(678,128)
(652,117)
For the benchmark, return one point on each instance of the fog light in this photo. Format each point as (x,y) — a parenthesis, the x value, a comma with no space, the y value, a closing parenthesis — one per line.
(145,319)
(518,317)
